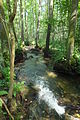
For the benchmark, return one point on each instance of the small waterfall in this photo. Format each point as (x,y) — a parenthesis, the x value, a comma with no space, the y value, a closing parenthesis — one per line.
(49,98)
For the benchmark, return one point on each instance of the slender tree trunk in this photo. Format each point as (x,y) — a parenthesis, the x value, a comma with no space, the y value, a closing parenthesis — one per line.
(14,33)
(38,25)
(12,42)
(12,58)
(3,34)
(22,24)
(33,23)
(48,37)
(68,4)
(62,25)
(50,16)
(72,24)
(1,26)
(26,27)
(35,18)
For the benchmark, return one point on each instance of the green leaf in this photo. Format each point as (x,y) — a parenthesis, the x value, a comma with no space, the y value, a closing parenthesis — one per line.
(15,94)
(3,92)
(0,102)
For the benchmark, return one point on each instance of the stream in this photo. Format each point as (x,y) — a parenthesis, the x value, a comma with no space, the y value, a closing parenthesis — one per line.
(57,96)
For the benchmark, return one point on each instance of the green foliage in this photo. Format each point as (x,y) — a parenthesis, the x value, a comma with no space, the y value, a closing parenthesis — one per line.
(76,53)
(58,55)
(18,87)
(0,102)
(76,57)
(3,92)
(2,83)
(6,73)
(1,61)
(19,43)
(6,58)
(27,43)
(18,51)
(41,43)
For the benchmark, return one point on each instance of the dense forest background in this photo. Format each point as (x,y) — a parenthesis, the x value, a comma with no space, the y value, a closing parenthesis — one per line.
(52,26)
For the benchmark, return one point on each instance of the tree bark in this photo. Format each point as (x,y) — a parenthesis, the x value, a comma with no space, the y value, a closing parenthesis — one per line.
(1,26)
(50,17)
(48,37)
(12,41)
(3,35)
(22,24)
(38,25)
(72,25)
(12,58)
(15,34)
(26,26)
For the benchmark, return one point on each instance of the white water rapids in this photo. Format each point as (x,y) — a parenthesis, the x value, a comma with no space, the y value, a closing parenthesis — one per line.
(47,95)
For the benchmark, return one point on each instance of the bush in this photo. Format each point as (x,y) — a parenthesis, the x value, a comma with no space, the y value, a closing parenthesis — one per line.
(27,43)
(58,55)
(61,64)
(6,73)
(18,87)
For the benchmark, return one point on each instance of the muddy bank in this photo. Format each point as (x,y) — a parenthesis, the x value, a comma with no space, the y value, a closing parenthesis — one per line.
(67,69)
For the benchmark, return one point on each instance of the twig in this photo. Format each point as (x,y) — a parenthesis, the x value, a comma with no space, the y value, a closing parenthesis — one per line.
(7,109)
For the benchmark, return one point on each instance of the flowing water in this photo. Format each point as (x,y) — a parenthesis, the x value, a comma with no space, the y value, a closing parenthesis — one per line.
(48,96)
(55,91)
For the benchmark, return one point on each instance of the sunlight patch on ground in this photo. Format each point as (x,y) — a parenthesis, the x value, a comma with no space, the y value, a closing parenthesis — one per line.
(67,86)
(51,74)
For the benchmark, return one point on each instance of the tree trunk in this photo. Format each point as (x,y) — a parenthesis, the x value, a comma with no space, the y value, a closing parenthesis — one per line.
(12,42)
(50,16)
(22,24)
(72,25)
(3,34)
(38,25)
(14,33)
(33,23)
(12,58)
(1,26)
(48,38)
(26,26)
